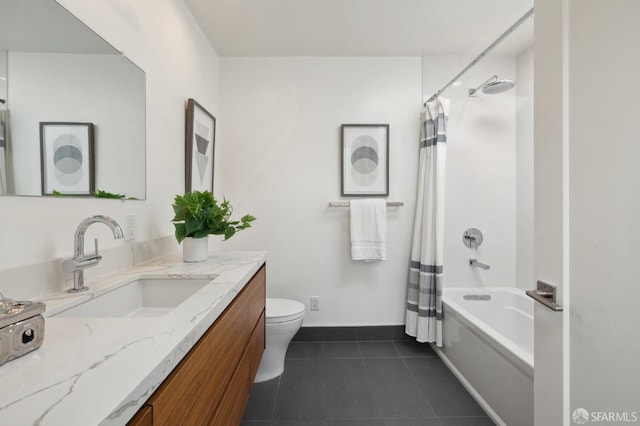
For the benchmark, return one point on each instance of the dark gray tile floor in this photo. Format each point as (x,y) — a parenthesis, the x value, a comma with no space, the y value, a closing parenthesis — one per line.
(363,383)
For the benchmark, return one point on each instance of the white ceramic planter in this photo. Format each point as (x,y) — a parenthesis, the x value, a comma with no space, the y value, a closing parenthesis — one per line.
(195,249)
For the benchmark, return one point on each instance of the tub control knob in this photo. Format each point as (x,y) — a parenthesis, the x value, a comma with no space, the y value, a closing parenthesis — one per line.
(27,336)
(472,238)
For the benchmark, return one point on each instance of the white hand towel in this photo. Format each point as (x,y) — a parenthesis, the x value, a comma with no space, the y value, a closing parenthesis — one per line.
(368,229)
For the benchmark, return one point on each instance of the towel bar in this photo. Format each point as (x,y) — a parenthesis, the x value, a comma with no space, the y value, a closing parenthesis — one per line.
(347,203)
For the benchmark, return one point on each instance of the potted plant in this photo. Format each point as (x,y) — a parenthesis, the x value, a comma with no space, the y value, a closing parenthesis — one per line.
(198,214)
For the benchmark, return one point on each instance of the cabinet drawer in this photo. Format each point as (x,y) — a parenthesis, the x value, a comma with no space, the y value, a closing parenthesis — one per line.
(194,389)
(256,347)
(237,394)
(256,296)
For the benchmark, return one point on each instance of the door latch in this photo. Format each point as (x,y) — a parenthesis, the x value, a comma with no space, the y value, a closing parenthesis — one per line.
(545,294)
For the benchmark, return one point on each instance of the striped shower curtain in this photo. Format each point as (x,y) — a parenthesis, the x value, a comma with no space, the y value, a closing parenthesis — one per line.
(424,294)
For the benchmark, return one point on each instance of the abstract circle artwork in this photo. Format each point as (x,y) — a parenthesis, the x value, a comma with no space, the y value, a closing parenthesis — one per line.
(365,161)
(67,159)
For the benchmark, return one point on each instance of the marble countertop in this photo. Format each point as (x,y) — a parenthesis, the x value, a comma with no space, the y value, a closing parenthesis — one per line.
(99,371)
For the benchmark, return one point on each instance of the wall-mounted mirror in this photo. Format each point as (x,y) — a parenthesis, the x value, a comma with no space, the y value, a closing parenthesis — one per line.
(55,69)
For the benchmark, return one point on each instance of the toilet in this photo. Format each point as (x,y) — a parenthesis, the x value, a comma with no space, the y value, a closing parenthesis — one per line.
(283,320)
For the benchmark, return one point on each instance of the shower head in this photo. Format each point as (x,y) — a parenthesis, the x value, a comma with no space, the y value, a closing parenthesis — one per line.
(493,85)
(498,87)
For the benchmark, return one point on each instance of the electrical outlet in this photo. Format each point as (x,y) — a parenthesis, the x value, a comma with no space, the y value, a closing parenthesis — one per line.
(130,227)
(315,303)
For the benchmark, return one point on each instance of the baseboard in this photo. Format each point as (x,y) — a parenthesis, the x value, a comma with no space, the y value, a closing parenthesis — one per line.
(356,333)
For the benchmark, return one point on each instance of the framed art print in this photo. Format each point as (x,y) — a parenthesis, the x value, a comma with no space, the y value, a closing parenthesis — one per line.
(199,148)
(67,163)
(365,160)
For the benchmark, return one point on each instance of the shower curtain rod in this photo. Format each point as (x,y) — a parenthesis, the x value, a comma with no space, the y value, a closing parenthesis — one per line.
(483,54)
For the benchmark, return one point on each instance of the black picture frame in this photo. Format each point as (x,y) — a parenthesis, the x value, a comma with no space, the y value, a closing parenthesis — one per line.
(365,160)
(67,158)
(200,140)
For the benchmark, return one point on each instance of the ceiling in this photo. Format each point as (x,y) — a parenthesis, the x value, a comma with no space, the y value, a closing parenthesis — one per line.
(361,27)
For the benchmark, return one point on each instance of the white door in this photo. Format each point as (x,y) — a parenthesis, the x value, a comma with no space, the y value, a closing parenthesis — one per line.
(604,200)
(550,210)
(587,210)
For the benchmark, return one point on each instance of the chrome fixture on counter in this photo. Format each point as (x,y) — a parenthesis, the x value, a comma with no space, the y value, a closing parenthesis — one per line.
(21,328)
(474,262)
(79,261)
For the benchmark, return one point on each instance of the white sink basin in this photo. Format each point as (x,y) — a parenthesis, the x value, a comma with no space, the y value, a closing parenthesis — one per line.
(142,298)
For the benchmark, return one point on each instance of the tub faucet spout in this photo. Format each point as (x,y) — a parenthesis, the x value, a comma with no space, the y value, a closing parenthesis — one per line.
(79,262)
(474,262)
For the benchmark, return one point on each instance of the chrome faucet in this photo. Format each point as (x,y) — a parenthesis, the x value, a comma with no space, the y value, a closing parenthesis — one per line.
(474,262)
(79,262)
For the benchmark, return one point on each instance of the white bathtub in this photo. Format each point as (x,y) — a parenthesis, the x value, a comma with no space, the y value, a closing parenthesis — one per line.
(488,344)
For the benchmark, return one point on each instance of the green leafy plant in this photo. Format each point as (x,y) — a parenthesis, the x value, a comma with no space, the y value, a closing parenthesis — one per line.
(98,194)
(198,214)
(104,194)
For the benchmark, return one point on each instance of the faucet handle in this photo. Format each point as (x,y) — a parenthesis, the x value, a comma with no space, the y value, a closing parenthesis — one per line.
(69,265)
(96,256)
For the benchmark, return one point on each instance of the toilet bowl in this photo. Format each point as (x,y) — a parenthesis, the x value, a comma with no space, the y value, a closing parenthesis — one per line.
(283,319)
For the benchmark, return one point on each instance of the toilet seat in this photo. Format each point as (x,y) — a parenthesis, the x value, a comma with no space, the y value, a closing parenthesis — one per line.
(283,310)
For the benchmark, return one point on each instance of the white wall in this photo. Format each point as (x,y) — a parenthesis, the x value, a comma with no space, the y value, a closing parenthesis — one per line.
(524,170)
(280,151)
(106,90)
(280,142)
(179,64)
(481,171)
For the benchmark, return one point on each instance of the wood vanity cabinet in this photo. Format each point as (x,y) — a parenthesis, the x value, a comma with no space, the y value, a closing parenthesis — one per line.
(210,386)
